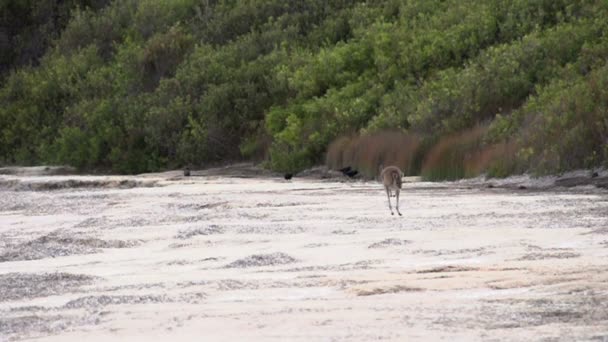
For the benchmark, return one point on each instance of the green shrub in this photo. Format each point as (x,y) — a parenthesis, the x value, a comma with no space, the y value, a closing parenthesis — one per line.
(73,148)
(570,132)
(135,86)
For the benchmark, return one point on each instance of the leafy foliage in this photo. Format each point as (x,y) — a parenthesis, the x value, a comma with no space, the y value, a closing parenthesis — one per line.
(136,86)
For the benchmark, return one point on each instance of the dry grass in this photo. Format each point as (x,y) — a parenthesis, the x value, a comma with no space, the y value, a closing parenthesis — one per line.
(498,160)
(366,152)
(464,155)
(447,159)
(455,156)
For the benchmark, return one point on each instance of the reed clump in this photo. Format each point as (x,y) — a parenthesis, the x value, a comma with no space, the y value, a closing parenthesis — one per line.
(365,152)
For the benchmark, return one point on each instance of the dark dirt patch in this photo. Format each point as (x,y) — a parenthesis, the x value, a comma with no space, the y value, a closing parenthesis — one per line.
(182,262)
(536,318)
(234,284)
(388,243)
(211,205)
(279,205)
(270,229)
(574,181)
(600,231)
(15,286)
(37,170)
(76,183)
(316,245)
(39,321)
(385,290)
(359,265)
(179,262)
(93,302)
(195,206)
(257,260)
(541,256)
(442,269)
(210,259)
(54,245)
(209,230)
(179,245)
(192,297)
(93,222)
(600,182)
(322,172)
(16,328)
(438,252)
(344,232)
(587,307)
(29,308)
(240,170)
(538,248)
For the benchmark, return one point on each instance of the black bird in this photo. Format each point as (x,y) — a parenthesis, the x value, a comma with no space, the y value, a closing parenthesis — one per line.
(595,174)
(186,171)
(344,170)
(351,173)
(288,176)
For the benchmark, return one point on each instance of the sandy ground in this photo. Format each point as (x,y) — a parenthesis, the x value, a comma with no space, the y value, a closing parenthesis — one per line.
(216,258)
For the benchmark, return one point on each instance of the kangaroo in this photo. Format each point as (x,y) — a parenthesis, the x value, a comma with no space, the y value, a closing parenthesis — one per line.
(390,177)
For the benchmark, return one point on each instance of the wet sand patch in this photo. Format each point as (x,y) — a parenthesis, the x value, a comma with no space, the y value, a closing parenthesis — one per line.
(196,206)
(53,184)
(96,302)
(270,229)
(15,286)
(390,242)
(57,245)
(467,251)
(315,245)
(208,230)
(387,290)
(359,265)
(19,327)
(542,256)
(258,260)
(343,232)
(280,204)
(449,268)
(581,309)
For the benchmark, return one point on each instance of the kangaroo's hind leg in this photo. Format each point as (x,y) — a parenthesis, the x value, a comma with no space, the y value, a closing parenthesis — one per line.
(388,195)
(397,191)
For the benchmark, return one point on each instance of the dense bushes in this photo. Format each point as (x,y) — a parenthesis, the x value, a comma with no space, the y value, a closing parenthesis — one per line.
(135,86)
(500,79)
(29,27)
(434,69)
(565,126)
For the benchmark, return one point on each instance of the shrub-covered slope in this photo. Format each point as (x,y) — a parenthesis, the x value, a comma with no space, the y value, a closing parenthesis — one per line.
(140,85)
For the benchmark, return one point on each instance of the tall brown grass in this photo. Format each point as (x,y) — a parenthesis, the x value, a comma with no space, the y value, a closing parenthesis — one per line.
(446,160)
(496,160)
(367,152)
(464,155)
